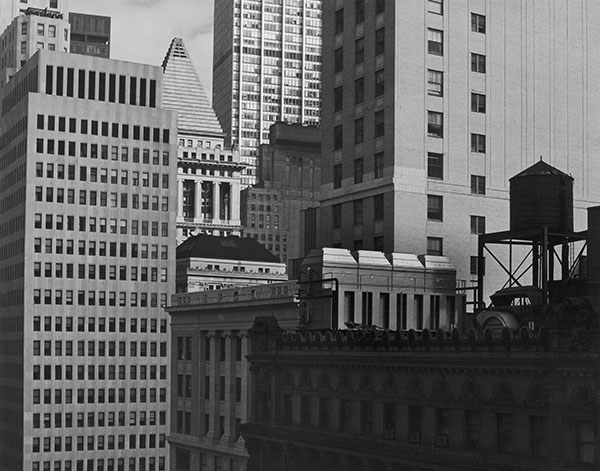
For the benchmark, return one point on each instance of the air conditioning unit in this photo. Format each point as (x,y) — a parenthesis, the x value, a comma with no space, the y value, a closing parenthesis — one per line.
(441,440)
(414,437)
(389,434)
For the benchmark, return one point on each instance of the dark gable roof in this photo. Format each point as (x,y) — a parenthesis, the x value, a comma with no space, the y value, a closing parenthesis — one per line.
(228,248)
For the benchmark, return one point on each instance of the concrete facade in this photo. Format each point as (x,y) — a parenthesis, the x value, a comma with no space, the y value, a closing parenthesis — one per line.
(90,34)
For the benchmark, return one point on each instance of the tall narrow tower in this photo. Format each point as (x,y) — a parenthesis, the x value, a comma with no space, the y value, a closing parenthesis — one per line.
(267,68)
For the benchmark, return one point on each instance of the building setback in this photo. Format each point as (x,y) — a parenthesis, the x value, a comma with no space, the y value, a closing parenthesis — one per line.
(87,250)
(267,68)
(90,34)
(429,107)
(208,174)
(289,182)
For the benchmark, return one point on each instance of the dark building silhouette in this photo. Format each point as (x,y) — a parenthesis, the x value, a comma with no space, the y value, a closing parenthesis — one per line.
(90,34)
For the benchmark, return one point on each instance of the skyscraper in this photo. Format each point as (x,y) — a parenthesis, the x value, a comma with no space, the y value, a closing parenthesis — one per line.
(430,107)
(267,68)
(209,175)
(87,250)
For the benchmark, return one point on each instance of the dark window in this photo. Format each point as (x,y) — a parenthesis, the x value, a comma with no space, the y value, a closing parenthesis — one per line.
(70,81)
(472,430)
(379,124)
(102,86)
(359,131)
(338,137)
(338,99)
(92,85)
(478,143)
(378,163)
(477,225)
(337,176)
(477,23)
(477,185)
(357,209)
(435,246)
(359,90)
(378,207)
(81,84)
(435,124)
(379,82)
(435,207)
(143,92)
(504,433)
(122,88)
(414,424)
(435,82)
(359,50)
(379,41)
(337,216)
(359,11)
(379,6)
(132,90)
(474,265)
(442,426)
(585,441)
(49,77)
(478,63)
(338,60)
(435,165)
(477,103)
(366,417)
(358,170)
(339,21)
(152,101)
(112,87)
(435,42)
(436,6)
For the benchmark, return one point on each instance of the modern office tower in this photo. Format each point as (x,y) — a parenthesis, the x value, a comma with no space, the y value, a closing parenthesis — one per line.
(35,29)
(209,175)
(87,250)
(9,9)
(267,68)
(90,34)
(289,181)
(430,107)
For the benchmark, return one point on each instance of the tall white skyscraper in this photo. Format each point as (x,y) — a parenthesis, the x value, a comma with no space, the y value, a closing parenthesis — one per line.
(267,68)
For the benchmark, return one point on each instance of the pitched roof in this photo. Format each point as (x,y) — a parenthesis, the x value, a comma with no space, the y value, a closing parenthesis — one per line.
(227,248)
(541,168)
(183,92)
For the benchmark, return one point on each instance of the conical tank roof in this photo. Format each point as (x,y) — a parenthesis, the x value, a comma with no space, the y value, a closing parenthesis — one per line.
(183,92)
(541,168)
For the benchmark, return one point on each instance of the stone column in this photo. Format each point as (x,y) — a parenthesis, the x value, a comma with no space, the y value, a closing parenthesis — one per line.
(198,199)
(234,202)
(216,200)
(180,197)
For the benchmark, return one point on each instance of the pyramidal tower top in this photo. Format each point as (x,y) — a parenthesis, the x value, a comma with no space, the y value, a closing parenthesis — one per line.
(183,92)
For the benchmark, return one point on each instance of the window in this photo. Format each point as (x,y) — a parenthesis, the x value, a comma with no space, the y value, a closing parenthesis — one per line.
(40,29)
(504,433)
(338,60)
(359,90)
(378,165)
(358,170)
(357,208)
(379,41)
(478,143)
(359,11)
(477,103)
(414,424)
(586,439)
(379,6)
(435,246)
(379,82)
(378,208)
(435,124)
(339,21)
(434,207)
(337,176)
(366,417)
(359,131)
(435,82)
(337,216)
(435,42)
(477,23)
(477,185)
(359,50)
(442,427)
(472,430)
(338,137)
(436,6)
(379,124)
(537,435)
(338,99)
(478,63)
(477,225)
(435,165)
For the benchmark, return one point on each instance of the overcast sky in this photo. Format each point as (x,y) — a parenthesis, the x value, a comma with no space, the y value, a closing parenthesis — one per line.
(142,30)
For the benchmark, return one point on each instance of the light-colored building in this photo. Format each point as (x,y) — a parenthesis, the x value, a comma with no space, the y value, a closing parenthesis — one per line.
(9,9)
(429,107)
(87,250)
(208,174)
(207,263)
(289,181)
(210,377)
(267,68)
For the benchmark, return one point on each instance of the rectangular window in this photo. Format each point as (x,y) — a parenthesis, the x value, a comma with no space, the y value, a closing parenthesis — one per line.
(359,90)
(435,207)
(435,124)
(436,6)
(435,246)
(504,433)
(477,103)
(357,209)
(366,417)
(477,23)
(478,63)
(435,82)
(472,430)
(358,170)
(337,216)
(359,131)
(338,137)
(379,41)
(478,143)
(379,82)
(474,265)
(359,50)
(378,170)
(442,427)
(435,166)
(414,424)
(338,60)
(338,99)
(339,21)
(477,185)
(435,42)
(379,6)
(379,124)
(378,207)
(477,225)
(337,176)
(359,11)
(585,441)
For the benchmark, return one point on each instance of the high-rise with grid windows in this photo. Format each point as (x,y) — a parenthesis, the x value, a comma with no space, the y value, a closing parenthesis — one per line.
(430,106)
(267,68)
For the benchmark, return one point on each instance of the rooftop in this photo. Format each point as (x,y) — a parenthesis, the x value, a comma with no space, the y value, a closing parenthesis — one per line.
(225,248)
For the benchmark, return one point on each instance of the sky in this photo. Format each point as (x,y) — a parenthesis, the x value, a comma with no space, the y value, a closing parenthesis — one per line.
(141,30)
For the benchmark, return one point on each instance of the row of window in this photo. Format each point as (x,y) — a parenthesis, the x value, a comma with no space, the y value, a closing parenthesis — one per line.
(102,175)
(101,372)
(97,298)
(143,251)
(184,348)
(100,348)
(104,225)
(357,211)
(98,442)
(378,130)
(99,396)
(103,324)
(98,419)
(101,464)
